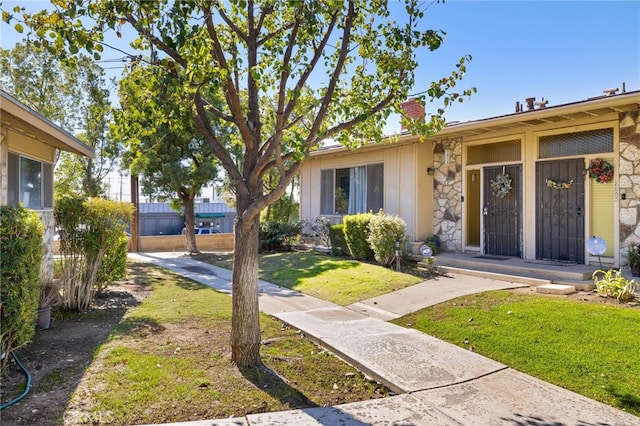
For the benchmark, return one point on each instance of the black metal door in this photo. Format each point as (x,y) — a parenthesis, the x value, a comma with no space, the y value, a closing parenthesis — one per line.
(502,211)
(560,210)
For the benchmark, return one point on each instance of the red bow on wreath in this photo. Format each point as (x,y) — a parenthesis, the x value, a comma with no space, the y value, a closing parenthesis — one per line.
(600,170)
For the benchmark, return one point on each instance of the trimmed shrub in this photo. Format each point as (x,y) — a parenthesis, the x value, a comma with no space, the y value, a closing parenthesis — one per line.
(274,235)
(337,241)
(21,234)
(93,245)
(356,232)
(384,231)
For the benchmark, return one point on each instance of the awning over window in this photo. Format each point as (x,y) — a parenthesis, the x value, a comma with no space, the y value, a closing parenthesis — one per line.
(209,215)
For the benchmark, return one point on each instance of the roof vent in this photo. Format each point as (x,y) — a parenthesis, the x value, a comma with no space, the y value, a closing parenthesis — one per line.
(610,92)
(542,103)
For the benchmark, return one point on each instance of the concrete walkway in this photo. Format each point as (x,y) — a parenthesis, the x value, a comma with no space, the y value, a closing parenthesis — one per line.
(437,383)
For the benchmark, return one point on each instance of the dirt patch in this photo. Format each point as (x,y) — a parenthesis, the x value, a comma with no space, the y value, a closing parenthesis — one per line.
(58,357)
(584,296)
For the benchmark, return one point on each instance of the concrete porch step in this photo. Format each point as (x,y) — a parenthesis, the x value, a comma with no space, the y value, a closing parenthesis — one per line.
(555,289)
(579,285)
(493,275)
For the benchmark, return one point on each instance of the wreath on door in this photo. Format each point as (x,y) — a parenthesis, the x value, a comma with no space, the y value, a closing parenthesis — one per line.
(501,185)
(600,170)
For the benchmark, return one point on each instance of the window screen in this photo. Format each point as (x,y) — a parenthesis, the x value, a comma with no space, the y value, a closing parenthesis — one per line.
(352,190)
(326,192)
(579,143)
(498,152)
(375,185)
(29,182)
(13,169)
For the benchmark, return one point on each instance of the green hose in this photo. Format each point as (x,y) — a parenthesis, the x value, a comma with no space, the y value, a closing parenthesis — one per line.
(26,389)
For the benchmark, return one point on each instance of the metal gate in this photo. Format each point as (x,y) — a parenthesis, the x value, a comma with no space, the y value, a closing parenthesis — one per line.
(502,211)
(560,210)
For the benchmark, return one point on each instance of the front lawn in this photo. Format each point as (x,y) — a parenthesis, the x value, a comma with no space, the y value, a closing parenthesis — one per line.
(169,360)
(335,279)
(589,348)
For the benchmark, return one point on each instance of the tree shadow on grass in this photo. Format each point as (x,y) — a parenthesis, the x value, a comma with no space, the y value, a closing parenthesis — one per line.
(626,400)
(57,359)
(272,383)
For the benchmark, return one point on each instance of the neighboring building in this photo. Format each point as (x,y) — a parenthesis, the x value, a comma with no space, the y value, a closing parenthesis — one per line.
(514,185)
(160,219)
(28,147)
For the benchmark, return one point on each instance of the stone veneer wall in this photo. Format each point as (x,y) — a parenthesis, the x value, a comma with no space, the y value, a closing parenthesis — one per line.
(447,193)
(46,267)
(629,179)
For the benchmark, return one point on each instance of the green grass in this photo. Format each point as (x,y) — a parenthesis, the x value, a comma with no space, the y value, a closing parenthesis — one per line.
(335,279)
(169,360)
(589,348)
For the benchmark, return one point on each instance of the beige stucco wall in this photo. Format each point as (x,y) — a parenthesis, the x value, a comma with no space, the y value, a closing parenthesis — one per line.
(408,190)
(214,242)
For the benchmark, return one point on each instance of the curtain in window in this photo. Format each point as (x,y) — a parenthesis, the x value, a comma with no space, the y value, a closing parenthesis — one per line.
(358,190)
(326,192)
(30,183)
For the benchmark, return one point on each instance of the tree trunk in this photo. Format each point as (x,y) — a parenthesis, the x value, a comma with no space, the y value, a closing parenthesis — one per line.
(245,322)
(190,221)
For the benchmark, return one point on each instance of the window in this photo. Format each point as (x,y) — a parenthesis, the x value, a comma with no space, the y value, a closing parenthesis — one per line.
(579,143)
(352,190)
(494,152)
(30,183)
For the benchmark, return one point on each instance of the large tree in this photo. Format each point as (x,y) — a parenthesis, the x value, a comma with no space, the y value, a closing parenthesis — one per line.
(74,97)
(161,142)
(347,64)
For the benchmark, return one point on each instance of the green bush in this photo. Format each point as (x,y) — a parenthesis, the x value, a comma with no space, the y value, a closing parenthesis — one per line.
(114,264)
(384,231)
(337,241)
(21,234)
(274,235)
(356,232)
(93,246)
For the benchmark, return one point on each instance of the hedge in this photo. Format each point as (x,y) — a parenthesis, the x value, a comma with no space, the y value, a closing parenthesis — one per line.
(356,232)
(21,233)
(337,241)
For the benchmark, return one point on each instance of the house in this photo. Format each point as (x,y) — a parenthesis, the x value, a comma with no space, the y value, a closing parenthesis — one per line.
(161,219)
(514,185)
(28,148)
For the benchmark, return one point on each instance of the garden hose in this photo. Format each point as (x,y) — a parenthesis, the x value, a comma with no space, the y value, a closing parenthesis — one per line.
(27,387)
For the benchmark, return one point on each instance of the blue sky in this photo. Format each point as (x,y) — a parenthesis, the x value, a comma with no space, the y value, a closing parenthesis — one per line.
(562,51)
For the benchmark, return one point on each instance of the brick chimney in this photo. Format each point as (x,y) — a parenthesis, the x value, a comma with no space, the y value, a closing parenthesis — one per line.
(413,109)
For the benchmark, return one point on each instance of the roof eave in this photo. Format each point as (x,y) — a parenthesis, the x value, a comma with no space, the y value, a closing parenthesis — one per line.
(60,138)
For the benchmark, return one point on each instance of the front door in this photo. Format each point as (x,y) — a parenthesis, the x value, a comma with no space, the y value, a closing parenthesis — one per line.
(560,210)
(502,210)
